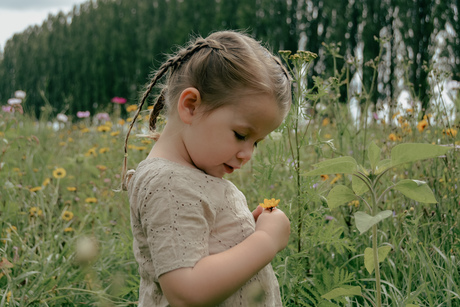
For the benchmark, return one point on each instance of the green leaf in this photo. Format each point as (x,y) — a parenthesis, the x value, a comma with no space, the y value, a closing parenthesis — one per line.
(411,152)
(339,195)
(338,292)
(364,221)
(382,166)
(359,187)
(369,257)
(416,190)
(373,153)
(344,165)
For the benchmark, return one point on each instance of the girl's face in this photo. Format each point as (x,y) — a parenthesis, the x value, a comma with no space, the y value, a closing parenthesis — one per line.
(224,139)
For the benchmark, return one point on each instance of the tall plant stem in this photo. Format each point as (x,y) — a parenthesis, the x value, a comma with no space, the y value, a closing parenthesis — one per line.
(375,250)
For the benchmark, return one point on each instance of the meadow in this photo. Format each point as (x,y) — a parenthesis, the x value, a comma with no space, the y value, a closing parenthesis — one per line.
(65,237)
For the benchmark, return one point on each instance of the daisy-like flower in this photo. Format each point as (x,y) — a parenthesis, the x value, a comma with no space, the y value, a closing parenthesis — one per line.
(101,167)
(71,189)
(324,177)
(119,100)
(103,150)
(59,173)
(115,133)
(392,137)
(90,200)
(325,122)
(35,211)
(103,128)
(83,114)
(450,132)
(68,229)
(422,125)
(46,182)
(67,215)
(35,189)
(131,108)
(91,152)
(269,203)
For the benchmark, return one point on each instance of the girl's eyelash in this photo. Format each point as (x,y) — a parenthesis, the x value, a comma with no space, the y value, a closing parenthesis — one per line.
(239,136)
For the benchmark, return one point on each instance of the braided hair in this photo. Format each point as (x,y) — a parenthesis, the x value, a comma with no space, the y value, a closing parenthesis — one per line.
(222,67)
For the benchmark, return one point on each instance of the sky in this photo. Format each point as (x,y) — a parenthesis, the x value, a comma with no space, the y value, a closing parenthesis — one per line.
(18,15)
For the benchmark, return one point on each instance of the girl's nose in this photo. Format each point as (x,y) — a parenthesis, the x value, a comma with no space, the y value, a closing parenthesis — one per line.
(245,154)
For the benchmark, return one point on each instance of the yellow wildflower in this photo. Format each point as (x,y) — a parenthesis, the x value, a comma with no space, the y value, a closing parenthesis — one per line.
(324,177)
(103,128)
(90,200)
(121,122)
(68,229)
(422,125)
(71,189)
(62,144)
(131,108)
(91,152)
(325,122)
(84,130)
(392,137)
(36,170)
(8,296)
(115,133)
(101,167)
(450,132)
(67,215)
(35,189)
(35,211)
(104,150)
(269,203)
(59,173)
(336,178)
(354,203)
(46,182)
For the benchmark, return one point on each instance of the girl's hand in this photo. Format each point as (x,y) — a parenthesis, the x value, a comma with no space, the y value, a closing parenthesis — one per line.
(257,212)
(276,224)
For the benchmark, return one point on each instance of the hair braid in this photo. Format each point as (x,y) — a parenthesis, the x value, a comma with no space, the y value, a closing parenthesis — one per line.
(172,63)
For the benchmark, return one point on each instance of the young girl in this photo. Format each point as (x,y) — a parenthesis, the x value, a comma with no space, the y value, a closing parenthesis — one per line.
(196,242)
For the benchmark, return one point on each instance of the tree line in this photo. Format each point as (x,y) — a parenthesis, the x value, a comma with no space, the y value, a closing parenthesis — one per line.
(79,60)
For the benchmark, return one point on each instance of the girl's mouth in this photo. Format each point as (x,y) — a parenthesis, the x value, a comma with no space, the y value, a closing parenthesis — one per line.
(228,168)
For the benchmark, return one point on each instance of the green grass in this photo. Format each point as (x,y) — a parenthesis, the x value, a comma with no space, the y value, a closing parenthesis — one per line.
(39,249)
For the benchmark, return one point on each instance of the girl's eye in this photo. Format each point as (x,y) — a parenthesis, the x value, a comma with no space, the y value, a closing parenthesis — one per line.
(239,136)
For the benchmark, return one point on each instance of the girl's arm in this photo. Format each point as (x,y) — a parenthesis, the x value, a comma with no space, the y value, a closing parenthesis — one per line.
(216,277)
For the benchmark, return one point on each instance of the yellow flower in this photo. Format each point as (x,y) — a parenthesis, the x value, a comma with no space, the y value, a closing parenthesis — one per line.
(46,182)
(35,189)
(141,148)
(91,152)
(325,122)
(354,203)
(67,215)
(324,177)
(131,108)
(103,128)
(104,150)
(101,167)
(392,137)
(8,296)
(90,200)
(62,144)
(115,133)
(84,130)
(422,125)
(71,189)
(68,229)
(36,170)
(11,228)
(450,132)
(59,173)
(270,203)
(121,122)
(35,211)
(336,178)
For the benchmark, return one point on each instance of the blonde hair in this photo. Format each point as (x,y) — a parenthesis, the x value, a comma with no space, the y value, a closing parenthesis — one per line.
(222,67)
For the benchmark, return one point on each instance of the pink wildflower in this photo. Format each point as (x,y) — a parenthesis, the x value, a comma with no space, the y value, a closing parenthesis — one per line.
(83,114)
(119,100)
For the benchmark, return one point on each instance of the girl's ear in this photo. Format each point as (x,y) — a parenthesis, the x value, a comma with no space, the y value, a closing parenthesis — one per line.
(187,106)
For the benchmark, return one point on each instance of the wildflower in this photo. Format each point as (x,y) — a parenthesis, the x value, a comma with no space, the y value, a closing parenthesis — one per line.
(354,203)
(83,114)
(59,173)
(46,182)
(14,101)
(90,200)
(35,211)
(103,128)
(62,144)
(115,133)
(87,250)
(394,115)
(8,296)
(7,109)
(324,177)
(35,170)
(450,132)
(336,178)
(67,215)
(103,116)
(270,203)
(131,108)
(119,100)
(11,229)
(103,150)
(141,148)
(20,94)
(422,125)
(62,118)
(91,152)
(325,122)
(84,130)
(35,189)
(121,122)
(101,167)
(71,189)
(392,137)
(68,229)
